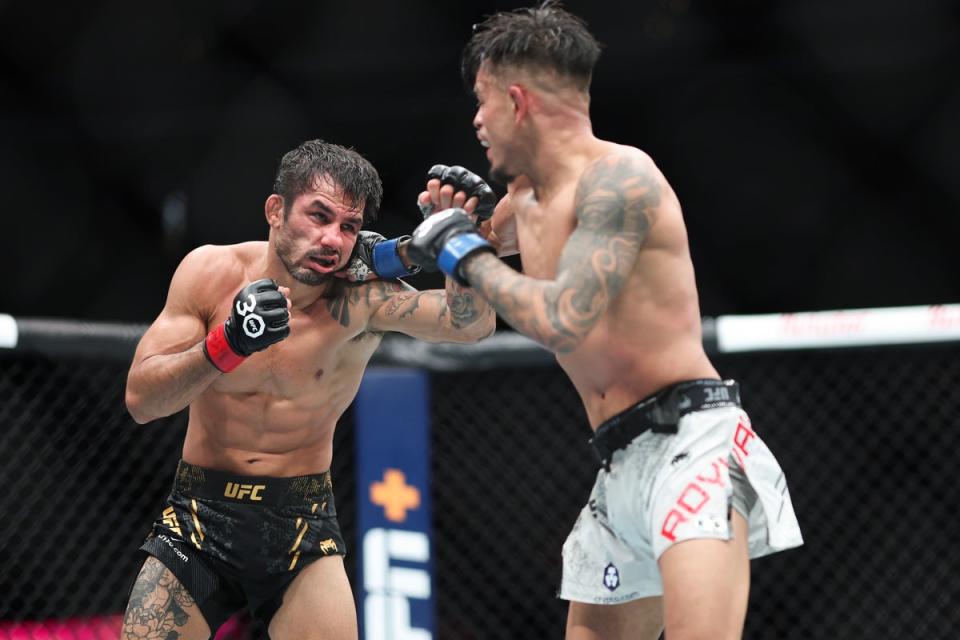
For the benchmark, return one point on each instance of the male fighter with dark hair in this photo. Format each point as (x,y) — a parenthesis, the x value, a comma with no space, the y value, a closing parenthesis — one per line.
(266,342)
(688,492)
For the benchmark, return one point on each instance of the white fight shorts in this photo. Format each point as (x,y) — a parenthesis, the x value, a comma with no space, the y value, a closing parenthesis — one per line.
(665,488)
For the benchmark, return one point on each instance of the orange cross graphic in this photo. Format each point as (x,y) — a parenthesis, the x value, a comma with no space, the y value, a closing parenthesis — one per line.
(394,495)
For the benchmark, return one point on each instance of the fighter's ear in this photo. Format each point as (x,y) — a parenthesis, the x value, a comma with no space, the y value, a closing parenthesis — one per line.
(520,97)
(273,209)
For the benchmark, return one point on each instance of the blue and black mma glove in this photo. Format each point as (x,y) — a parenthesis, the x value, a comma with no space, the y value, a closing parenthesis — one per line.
(258,318)
(376,257)
(444,240)
(470,183)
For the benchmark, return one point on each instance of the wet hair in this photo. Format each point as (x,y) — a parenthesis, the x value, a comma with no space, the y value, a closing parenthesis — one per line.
(545,37)
(299,170)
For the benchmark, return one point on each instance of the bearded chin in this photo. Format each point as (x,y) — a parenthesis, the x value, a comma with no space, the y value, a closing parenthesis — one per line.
(308,276)
(300,274)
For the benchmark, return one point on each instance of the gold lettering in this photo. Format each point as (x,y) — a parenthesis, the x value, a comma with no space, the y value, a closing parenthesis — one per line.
(241,491)
(170,520)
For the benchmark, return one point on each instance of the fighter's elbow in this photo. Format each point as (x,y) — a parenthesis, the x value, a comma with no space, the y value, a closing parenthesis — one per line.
(483,334)
(136,409)
(479,330)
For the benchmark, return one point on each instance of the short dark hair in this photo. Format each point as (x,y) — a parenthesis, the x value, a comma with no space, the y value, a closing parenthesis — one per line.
(544,37)
(347,169)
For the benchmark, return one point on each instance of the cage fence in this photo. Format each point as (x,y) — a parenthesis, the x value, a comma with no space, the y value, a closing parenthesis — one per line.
(867,437)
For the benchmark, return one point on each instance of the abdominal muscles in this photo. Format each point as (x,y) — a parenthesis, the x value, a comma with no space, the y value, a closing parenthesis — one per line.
(279,430)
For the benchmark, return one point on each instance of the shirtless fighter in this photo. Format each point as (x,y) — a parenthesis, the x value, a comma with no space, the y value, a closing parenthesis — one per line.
(266,342)
(688,491)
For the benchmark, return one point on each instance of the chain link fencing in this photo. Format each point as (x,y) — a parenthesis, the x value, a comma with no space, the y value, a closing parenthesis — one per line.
(868,439)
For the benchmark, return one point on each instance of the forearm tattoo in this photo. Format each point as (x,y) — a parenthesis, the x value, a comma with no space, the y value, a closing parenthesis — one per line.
(463,305)
(613,205)
(159,605)
(402,304)
(457,306)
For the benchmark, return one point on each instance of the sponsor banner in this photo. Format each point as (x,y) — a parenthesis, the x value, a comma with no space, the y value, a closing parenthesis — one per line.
(846,328)
(392,412)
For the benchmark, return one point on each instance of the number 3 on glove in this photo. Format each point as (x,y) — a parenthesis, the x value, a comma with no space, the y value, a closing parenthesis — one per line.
(258,318)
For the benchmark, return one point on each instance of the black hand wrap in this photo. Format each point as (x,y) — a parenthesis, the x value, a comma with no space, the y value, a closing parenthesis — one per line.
(470,183)
(376,257)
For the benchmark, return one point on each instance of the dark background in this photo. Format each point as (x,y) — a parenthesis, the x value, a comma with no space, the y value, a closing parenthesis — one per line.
(812,144)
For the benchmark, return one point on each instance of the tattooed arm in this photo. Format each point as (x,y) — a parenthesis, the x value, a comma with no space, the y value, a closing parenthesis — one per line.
(614,200)
(456,314)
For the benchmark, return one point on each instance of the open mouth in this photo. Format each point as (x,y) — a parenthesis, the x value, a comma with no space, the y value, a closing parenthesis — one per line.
(323,262)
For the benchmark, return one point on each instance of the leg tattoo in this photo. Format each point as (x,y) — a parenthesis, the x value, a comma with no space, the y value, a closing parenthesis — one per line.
(159,605)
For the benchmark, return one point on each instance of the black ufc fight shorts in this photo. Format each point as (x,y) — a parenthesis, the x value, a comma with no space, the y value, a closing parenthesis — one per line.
(240,540)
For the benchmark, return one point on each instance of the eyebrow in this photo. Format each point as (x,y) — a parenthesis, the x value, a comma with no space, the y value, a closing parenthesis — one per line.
(325,208)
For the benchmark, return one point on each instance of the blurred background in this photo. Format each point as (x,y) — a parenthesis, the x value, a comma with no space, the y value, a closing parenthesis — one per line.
(812,144)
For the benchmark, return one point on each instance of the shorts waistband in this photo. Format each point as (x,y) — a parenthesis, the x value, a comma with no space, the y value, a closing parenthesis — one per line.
(661,412)
(214,484)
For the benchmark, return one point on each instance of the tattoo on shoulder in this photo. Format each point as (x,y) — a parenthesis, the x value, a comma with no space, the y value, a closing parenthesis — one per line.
(614,203)
(616,194)
(615,199)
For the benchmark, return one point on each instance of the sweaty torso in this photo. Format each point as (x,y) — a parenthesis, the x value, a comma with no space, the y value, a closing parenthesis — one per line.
(650,334)
(276,413)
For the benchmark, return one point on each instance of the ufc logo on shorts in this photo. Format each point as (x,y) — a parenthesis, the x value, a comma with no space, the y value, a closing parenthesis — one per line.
(695,495)
(170,521)
(241,491)
(716,394)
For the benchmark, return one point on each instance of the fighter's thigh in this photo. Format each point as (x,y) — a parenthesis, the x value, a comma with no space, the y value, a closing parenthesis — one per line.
(160,607)
(637,620)
(317,605)
(706,583)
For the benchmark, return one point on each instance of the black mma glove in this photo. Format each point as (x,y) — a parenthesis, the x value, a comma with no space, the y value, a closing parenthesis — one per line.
(470,183)
(443,241)
(258,319)
(376,257)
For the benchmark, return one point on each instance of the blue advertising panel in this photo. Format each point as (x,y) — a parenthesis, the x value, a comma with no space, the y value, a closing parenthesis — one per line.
(395,559)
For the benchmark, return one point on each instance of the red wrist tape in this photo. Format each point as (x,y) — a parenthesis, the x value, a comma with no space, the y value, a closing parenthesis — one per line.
(219,353)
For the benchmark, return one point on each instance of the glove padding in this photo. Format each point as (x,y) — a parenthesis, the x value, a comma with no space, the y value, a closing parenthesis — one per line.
(375,257)
(463,180)
(258,318)
(444,240)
